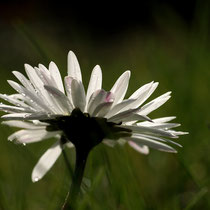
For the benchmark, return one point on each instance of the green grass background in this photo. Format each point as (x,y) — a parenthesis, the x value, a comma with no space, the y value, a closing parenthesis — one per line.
(176,55)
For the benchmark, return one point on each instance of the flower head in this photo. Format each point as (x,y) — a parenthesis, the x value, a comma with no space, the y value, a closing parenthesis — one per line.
(43,108)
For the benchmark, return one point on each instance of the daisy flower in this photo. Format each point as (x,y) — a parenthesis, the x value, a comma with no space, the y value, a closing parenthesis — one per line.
(45,107)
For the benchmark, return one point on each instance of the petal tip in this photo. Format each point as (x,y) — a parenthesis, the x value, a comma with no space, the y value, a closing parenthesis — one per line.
(35,179)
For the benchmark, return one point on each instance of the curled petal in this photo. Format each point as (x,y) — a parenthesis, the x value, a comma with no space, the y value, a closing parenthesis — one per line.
(139,148)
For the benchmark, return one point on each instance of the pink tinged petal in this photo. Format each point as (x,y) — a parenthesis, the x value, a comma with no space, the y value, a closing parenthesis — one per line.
(60,98)
(142,94)
(155,104)
(78,95)
(26,83)
(119,107)
(139,140)
(30,136)
(73,67)
(97,98)
(148,130)
(109,97)
(21,124)
(102,109)
(95,82)
(46,162)
(55,74)
(120,87)
(139,148)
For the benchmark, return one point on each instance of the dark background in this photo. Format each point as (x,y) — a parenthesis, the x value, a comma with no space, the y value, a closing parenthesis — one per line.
(101,19)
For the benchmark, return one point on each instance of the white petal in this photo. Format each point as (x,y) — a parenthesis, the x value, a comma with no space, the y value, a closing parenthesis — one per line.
(44,75)
(119,107)
(30,98)
(46,161)
(177,133)
(160,139)
(28,116)
(148,130)
(122,115)
(159,125)
(39,85)
(73,67)
(60,98)
(41,66)
(31,136)
(142,94)
(134,117)
(95,82)
(13,100)
(21,124)
(67,81)
(55,74)
(78,95)
(41,116)
(139,148)
(8,108)
(15,116)
(26,83)
(33,76)
(151,143)
(163,119)
(120,87)
(156,103)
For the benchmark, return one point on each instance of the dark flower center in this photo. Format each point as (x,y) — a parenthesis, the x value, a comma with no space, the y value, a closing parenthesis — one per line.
(86,131)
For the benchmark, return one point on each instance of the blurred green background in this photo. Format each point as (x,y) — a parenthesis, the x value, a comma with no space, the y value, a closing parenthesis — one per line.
(162,44)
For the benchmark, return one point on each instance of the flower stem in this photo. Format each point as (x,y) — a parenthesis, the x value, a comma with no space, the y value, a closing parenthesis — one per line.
(68,165)
(71,200)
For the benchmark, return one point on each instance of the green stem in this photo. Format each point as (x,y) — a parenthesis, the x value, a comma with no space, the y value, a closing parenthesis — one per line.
(71,200)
